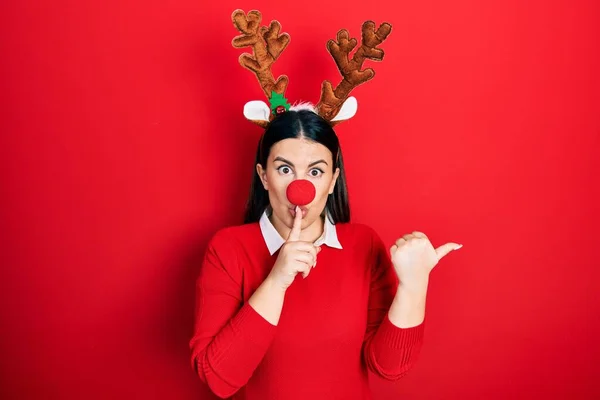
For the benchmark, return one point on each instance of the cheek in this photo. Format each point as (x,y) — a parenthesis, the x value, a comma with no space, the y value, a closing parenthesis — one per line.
(277,187)
(322,189)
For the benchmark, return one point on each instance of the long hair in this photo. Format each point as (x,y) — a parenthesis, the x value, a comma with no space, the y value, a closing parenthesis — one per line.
(299,124)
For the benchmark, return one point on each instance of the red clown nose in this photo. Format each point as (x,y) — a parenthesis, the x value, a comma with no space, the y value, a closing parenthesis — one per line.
(300,192)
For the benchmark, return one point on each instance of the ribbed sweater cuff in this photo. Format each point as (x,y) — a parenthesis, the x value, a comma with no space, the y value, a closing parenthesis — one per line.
(398,338)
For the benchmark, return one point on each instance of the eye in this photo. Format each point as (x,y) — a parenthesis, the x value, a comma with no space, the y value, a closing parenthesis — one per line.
(316,172)
(284,170)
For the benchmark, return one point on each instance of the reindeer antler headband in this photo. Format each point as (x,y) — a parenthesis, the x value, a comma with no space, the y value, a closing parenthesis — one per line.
(335,104)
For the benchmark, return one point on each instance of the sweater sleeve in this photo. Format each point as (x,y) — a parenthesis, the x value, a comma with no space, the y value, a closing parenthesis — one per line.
(230,338)
(389,351)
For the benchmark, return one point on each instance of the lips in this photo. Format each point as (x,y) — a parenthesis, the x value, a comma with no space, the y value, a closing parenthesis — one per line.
(293,212)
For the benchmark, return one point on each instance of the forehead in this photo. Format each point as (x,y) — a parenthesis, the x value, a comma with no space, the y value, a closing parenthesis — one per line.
(300,151)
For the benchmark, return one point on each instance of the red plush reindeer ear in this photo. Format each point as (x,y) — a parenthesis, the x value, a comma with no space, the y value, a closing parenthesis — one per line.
(267,45)
(334,104)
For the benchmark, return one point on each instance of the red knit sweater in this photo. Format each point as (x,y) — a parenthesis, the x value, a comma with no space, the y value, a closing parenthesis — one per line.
(333,327)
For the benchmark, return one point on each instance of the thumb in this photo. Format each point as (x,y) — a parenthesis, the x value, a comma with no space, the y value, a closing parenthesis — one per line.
(294,235)
(446,248)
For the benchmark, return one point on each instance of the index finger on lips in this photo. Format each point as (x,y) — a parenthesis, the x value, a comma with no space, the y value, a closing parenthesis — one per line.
(294,235)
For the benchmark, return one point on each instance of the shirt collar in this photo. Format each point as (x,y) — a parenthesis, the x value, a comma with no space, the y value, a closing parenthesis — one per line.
(274,241)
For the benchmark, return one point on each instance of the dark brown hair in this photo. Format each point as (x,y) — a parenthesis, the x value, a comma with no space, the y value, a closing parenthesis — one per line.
(299,124)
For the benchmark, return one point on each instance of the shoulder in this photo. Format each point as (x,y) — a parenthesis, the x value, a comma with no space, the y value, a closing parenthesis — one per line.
(355,228)
(226,245)
(357,234)
(231,236)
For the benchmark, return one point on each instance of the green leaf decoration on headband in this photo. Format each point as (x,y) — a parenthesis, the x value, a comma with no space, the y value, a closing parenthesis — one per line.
(277,101)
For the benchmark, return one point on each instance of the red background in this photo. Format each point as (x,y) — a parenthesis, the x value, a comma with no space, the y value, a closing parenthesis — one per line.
(124,148)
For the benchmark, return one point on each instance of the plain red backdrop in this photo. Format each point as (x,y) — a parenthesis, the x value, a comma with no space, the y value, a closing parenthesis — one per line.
(124,148)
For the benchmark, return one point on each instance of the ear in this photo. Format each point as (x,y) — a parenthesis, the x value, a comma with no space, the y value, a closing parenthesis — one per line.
(335,177)
(262,175)
(258,112)
(347,111)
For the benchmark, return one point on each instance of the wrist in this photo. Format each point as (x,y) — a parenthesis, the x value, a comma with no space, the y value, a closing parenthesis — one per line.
(272,285)
(415,287)
(268,300)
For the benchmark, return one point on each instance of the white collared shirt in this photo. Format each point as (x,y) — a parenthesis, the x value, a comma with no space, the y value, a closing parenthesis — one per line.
(274,240)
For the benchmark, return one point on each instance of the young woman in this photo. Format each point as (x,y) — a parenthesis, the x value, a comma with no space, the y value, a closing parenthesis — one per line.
(298,302)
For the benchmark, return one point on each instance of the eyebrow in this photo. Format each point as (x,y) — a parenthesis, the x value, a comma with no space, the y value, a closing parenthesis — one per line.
(290,163)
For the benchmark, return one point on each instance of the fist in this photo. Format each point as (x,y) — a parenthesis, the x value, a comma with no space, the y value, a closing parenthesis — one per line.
(414,257)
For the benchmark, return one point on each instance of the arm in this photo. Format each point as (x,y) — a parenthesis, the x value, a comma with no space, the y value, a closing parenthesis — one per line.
(394,324)
(230,337)
(408,308)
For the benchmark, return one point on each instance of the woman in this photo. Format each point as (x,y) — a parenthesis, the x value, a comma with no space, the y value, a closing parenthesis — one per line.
(300,303)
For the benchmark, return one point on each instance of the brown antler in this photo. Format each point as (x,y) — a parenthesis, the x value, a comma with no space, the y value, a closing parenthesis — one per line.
(267,45)
(332,99)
